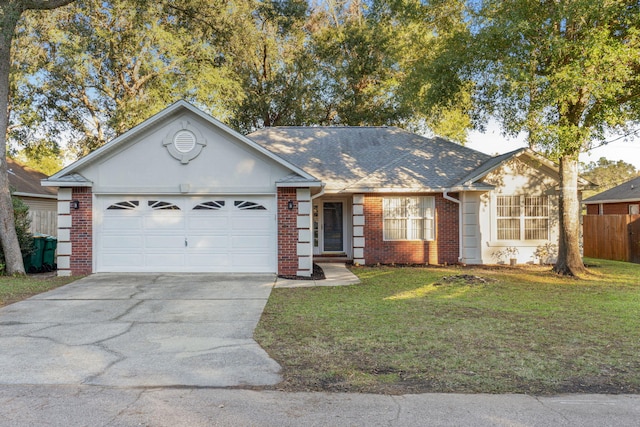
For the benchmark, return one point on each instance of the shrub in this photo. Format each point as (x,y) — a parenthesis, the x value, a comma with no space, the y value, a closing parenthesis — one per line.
(22,220)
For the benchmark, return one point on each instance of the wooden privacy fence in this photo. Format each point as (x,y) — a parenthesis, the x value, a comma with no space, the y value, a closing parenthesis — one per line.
(615,237)
(45,222)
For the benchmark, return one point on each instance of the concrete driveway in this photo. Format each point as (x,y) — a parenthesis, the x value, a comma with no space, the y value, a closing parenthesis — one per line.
(140,330)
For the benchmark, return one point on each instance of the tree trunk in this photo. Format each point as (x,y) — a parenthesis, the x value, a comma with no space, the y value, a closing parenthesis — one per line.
(10,13)
(8,236)
(569,260)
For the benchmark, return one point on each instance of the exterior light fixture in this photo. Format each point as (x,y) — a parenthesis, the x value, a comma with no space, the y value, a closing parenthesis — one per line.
(75,204)
(290,205)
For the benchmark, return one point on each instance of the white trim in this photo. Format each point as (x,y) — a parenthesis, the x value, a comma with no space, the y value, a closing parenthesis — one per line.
(177,193)
(35,196)
(350,190)
(68,184)
(595,202)
(311,184)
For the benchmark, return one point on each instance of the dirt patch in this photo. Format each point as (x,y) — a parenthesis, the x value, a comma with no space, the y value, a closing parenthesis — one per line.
(317,274)
(464,279)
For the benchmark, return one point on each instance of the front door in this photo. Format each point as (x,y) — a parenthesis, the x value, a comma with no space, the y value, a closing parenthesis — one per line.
(333,233)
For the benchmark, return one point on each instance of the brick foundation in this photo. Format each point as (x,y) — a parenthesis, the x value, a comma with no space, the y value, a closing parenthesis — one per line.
(444,249)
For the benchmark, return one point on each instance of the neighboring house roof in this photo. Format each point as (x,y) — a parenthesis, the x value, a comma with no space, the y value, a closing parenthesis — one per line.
(69,176)
(372,158)
(26,181)
(626,192)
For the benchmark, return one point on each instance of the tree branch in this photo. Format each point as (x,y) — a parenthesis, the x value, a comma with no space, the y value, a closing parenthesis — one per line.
(44,4)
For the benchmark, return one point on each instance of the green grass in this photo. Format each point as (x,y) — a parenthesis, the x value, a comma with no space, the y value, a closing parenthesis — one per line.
(406,330)
(17,288)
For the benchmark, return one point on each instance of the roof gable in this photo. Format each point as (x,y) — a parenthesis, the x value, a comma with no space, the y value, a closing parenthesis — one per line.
(626,192)
(182,112)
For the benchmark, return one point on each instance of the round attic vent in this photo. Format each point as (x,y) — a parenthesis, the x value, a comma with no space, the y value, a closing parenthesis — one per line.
(184,141)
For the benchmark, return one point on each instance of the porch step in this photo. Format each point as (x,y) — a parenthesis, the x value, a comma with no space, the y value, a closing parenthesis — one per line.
(332,258)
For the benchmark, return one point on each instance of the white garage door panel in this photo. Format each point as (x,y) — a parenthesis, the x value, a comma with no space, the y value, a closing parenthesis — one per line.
(201,261)
(209,222)
(118,241)
(223,234)
(209,242)
(251,222)
(164,223)
(121,223)
(165,261)
(164,242)
(254,244)
(249,261)
(123,260)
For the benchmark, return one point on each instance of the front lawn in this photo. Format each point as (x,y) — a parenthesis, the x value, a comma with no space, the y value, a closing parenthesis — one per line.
(17,288)
(492,330)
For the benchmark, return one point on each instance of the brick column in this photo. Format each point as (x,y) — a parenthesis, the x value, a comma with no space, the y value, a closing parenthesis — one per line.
(358,229)
(287,233)
(82,232)
(75,232)
(295,251)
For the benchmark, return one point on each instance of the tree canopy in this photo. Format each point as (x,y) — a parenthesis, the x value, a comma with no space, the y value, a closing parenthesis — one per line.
(564,71)
(607,174)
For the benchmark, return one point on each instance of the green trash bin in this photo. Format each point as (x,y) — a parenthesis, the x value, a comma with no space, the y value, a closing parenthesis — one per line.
(49,253)
(33,261)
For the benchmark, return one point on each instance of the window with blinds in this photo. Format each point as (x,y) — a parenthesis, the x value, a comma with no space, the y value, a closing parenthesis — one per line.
(408,218)
(523,217)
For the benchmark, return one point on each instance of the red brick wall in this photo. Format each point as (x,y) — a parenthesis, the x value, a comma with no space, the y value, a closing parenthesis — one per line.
(592,209)
(617,208)
(377,250)
(287,233)
(610,208)
(82,232)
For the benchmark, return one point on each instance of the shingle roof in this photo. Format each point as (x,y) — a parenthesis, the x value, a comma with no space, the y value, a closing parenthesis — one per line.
(488,166)
(626,192)
(371,158)
(26,180)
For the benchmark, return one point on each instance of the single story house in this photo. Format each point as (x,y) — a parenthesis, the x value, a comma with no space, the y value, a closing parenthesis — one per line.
(623,199)
(42,201)
(182,192)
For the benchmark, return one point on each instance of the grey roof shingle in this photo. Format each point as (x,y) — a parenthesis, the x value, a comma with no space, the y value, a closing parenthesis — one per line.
(26,180)
(368,158)
(488,166)
(627,191)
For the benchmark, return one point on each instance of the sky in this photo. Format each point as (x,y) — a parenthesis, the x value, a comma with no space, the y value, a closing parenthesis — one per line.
(492,142)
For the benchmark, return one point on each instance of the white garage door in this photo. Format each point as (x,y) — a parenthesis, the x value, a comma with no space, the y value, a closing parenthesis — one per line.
(186,234)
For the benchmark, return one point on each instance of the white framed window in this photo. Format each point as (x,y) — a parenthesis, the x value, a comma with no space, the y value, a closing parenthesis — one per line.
(522,217)
(408,218)
(634,209)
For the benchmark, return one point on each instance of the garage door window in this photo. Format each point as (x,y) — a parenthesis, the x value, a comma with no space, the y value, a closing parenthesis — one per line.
(159,205)
(244,205)
(212,205)
(125,205)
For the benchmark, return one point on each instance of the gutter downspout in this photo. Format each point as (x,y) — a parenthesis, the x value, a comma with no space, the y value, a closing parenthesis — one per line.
(320,194)
(459,203)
